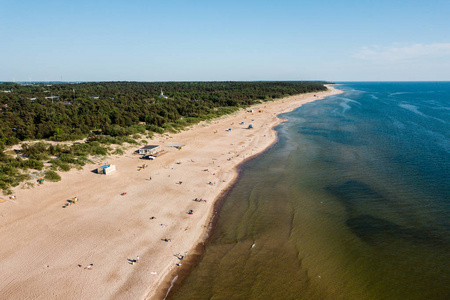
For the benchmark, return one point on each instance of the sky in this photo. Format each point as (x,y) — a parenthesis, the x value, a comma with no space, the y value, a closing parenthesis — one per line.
(246,40)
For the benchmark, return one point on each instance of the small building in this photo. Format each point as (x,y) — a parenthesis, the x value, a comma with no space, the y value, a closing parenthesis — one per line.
(53,98)
(162,96)
(150,149)
(94,97)
(176,145)
(106,169)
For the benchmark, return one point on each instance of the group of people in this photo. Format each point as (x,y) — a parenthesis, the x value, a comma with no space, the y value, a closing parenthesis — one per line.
(71,202)
(89,267)
(133,261)
(199,200)
(180,257)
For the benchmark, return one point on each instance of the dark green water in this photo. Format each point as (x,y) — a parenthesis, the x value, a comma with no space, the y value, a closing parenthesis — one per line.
(351,203)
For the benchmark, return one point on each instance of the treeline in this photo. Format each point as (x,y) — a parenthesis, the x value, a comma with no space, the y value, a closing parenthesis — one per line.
(124,108)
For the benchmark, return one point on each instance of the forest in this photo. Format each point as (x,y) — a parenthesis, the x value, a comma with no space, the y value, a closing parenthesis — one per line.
(107,113)
(116,108)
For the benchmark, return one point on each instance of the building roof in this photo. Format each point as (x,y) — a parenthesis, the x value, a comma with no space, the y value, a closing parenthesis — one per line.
(149,147)
(176,145)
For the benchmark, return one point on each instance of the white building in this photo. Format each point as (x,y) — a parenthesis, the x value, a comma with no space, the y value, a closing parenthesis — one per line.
(150,149)
(106,169)
(162,95)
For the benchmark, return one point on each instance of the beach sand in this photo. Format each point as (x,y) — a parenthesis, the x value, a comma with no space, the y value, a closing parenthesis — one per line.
(46,251)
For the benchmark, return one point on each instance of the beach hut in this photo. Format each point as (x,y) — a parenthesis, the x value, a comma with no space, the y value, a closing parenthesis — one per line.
(176,145)
(106,169)
(150,149)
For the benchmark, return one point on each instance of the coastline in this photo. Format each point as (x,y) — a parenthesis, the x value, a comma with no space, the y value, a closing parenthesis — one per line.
(45,243)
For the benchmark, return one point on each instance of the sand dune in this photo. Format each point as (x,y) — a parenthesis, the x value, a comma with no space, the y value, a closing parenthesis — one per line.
(46,249)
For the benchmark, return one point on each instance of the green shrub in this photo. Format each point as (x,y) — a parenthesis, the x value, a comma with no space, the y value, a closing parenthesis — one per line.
(67,158)
(52,176)
(33,164)
(137,129)
(155,128)
(169,128)
(98,150)
(118,151)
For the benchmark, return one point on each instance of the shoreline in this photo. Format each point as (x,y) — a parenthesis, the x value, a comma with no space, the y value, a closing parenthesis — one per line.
(45,244)
(173,280)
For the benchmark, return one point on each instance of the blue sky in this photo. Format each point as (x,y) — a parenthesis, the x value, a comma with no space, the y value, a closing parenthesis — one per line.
(224,40)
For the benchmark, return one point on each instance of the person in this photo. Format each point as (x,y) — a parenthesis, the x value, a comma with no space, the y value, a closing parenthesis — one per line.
(137,259)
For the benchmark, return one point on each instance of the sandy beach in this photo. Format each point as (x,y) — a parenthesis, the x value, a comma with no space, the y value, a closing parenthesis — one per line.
(107,245)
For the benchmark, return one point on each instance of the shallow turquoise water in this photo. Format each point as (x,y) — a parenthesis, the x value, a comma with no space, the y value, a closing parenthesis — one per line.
(353,202)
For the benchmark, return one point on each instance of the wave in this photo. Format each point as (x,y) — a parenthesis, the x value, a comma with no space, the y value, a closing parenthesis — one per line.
(345,103)
(398,93)
(415,110)
(412,108)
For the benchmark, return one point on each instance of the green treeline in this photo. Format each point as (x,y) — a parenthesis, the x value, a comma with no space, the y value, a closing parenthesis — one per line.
(109,113)
(124,108)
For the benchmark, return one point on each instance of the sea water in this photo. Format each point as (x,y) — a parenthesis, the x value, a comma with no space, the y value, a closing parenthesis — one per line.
(353,202)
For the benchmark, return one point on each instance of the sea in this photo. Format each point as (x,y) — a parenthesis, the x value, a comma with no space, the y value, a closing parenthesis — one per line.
(352,202)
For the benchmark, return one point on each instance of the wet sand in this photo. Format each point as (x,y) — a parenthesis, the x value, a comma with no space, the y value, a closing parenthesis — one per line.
(47,250)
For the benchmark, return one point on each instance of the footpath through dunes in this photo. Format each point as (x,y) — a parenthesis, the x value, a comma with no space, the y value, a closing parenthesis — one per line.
(89,250)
